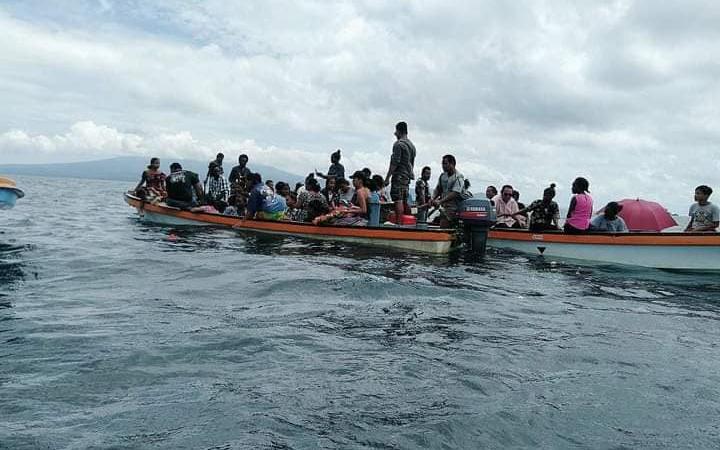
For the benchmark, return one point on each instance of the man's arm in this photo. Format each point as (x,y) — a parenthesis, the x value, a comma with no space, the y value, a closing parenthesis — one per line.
(452,195)
(199,191)
(233,178)
(394,160)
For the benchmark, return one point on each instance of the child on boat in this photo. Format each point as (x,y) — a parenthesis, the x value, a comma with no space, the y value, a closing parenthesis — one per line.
(581,207)
(609,221)
(704,216)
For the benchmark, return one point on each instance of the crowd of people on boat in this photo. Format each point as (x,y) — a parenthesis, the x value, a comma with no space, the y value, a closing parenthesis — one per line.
(349,200)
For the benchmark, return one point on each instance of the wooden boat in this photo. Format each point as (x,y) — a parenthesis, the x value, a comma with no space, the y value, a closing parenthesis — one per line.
(679,251)
(431,240)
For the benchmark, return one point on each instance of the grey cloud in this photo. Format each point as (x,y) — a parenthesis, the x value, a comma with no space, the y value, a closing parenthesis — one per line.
(526,92)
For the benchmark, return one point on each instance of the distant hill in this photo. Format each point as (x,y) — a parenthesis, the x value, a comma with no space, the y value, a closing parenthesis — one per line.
(129,168)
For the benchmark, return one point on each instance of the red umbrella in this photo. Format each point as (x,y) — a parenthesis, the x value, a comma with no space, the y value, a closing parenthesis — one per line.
(643,215)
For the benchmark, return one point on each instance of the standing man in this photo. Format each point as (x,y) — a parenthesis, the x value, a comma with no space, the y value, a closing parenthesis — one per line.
(239,186)
(240,171)
(422,187)
(217,162)
(401,169)
(449,192)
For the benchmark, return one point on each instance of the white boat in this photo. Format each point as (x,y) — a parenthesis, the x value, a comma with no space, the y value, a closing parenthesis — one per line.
(677,251)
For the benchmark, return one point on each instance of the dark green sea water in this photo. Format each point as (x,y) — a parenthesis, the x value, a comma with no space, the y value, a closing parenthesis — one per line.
(117,334)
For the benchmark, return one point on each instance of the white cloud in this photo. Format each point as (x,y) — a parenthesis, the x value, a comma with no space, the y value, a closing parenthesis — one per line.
(623,92)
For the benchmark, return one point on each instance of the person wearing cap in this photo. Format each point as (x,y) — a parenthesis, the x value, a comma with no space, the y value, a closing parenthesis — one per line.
(609,221)
(336,169)
(184,189)
(400,172)
(357,214)
(544,213)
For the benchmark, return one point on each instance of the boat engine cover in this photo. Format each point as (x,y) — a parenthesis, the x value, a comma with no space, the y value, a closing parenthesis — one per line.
(477,212)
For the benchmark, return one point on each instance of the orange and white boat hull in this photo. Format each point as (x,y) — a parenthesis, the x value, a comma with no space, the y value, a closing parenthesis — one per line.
(679,251)
(428,241)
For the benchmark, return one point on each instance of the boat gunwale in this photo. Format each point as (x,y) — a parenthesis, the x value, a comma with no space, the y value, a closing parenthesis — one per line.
(433,235)
(640,238)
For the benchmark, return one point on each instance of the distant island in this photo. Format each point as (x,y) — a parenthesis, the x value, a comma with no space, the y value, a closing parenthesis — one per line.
(129,168)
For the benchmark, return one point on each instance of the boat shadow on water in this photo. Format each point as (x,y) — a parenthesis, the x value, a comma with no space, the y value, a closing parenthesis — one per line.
(689,290)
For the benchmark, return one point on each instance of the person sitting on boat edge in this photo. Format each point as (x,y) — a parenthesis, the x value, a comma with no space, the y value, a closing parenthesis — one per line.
(544,213)
(184,189)
(336,169)
(264,203)
(581,207)
(704,216)
(609,221)
(507,209)
(151,187)
(218,189)
(449,192)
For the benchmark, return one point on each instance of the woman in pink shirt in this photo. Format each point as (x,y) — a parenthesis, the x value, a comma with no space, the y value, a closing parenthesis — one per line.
(581,207)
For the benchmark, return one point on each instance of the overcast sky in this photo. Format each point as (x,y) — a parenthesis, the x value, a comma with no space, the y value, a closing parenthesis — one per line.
(625,93)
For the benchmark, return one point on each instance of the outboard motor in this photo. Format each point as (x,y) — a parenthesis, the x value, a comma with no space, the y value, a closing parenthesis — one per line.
(476,215)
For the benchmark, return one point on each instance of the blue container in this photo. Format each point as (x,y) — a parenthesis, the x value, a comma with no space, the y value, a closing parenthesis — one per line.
(7,198)
(374,210)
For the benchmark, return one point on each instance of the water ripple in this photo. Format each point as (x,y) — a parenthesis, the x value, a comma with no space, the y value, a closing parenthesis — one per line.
(119,334)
